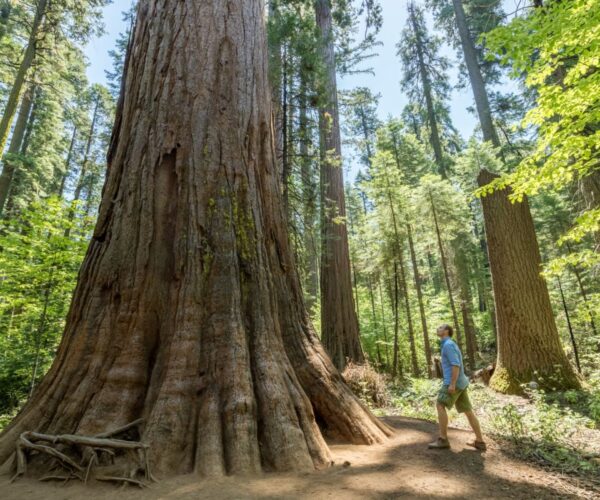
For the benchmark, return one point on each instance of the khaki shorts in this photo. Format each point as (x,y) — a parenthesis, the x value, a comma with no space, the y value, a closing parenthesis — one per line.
(460,399)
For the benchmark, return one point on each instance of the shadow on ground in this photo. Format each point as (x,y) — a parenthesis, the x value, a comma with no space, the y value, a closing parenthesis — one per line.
(402,468)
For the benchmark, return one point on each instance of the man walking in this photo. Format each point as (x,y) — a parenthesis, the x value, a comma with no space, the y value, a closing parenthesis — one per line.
(454,392)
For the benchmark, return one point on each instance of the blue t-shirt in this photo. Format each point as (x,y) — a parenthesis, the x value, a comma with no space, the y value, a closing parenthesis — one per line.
(451,356)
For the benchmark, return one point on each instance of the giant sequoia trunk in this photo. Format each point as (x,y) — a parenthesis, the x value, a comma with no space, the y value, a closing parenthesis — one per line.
(529,347)
(188,311)
(339,324)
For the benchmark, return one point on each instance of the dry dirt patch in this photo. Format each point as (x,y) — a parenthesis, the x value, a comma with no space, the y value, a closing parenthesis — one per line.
(402,468)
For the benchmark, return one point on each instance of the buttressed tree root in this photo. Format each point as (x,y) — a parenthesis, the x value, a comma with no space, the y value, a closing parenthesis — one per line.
(102,457)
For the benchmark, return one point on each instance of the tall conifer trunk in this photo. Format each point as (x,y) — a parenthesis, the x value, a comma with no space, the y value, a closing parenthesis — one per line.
(9,168)
(529,347)
(25,65)
(446,271)
(188,310)
(419,289)
(64,175)
(434,138)
(482,101)
(339,324)
(309,198)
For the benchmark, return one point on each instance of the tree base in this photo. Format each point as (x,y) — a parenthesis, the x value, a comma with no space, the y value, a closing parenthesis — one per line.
(508,381)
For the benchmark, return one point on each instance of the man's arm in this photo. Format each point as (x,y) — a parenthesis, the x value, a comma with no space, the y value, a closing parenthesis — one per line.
(455,373)
(454,358)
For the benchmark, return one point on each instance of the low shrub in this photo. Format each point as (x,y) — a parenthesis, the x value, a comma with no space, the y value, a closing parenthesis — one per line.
(369,385)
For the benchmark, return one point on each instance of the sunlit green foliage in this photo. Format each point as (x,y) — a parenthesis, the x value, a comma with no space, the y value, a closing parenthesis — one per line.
(557,49)
(38,271)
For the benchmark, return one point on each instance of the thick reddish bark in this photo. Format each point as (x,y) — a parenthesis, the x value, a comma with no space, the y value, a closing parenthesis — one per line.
(188,310)
(529,347)
(339,323)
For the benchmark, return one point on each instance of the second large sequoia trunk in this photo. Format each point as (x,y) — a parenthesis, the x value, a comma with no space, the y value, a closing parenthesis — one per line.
(529,347)
(188,311)
(339,322)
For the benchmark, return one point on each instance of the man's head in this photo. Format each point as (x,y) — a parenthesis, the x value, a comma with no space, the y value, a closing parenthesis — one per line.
(444,331)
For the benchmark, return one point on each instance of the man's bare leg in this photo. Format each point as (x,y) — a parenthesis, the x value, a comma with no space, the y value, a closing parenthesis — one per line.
(441,443)
(474,423)
(442,420)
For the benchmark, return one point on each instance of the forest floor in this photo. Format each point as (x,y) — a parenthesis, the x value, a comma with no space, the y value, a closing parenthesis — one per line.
(401,468)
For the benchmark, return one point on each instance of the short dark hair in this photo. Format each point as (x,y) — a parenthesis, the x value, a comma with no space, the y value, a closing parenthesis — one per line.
(448,328)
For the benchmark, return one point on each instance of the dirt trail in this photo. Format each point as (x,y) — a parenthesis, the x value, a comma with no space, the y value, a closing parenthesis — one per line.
(403,468)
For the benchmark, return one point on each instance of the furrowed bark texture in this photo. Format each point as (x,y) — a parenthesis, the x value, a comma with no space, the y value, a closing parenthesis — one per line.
(529,347)
(339,323)
(188,311)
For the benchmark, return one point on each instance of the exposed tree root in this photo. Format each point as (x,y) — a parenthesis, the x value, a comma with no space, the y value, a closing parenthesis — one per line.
(82,456)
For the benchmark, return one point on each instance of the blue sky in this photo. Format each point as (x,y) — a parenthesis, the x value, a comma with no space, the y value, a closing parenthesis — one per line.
(386,65)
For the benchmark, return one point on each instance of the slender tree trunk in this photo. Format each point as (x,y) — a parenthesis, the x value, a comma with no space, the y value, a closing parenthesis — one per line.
(446,271)
(91,188)
(16,186)
(339,325)
(88,150)
(400,261)
(418,288)
(32,119)
(569,326)
(529,347)
(311,261)
(395,301)
(411,331)
(26,63)
(41,329)
(384,323)
(584,296)
(434,138)
(367,139)
(188,310)
(466,300)
(65,175)
(434,273)
(374,318)
(482,101)
(285,136)
(81,182)
(9,168)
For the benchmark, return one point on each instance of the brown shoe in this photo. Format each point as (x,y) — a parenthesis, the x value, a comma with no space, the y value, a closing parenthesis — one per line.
(439,444)
(478,445)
